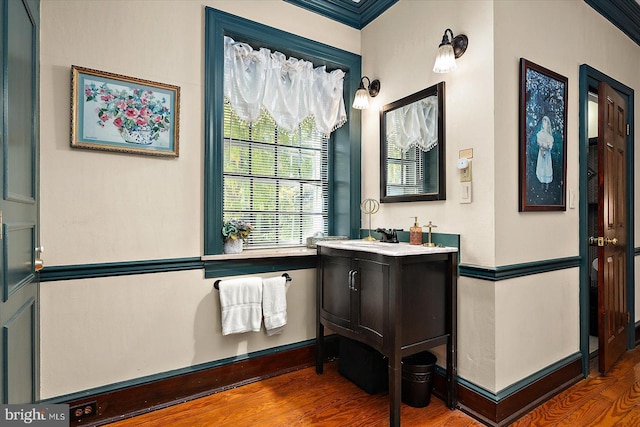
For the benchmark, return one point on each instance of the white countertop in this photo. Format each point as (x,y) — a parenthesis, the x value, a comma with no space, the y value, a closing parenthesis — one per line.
(390,249)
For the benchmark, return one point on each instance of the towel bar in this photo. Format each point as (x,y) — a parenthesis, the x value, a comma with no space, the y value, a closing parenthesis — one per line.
(216,284)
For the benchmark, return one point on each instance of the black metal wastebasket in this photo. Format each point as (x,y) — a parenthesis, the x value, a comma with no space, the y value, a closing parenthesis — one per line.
(417,378)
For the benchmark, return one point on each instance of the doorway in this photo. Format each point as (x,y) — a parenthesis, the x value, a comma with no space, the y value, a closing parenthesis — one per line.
(590,280)
(592,220)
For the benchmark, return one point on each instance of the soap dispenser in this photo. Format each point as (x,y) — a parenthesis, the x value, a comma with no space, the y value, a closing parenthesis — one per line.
(415,233)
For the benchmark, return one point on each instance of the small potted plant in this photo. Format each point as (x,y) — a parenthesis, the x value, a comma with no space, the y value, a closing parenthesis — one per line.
(234,233)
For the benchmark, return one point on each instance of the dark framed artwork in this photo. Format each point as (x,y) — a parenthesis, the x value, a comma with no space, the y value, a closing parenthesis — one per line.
(113,112)
(543,139)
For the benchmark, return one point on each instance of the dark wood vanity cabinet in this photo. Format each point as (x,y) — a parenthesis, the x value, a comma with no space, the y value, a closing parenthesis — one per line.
(399,305)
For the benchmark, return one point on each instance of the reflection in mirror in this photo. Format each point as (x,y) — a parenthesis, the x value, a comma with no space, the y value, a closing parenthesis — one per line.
(412,147)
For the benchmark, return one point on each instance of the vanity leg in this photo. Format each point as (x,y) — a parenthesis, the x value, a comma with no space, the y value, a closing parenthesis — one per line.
(395,391)
(319,348)
(452,330)
(451,401)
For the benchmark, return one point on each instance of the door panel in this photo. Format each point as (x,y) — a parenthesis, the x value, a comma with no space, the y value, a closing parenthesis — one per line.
(19,241)
(612,226)
(372,288)
(19,353)
(336,301)
(19,202)
(19,156)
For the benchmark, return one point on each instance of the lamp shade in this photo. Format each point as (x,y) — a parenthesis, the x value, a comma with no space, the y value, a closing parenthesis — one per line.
(445,59)
(361,100)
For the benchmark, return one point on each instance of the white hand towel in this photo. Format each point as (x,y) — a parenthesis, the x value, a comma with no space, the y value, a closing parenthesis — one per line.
(241,303)
(274,304)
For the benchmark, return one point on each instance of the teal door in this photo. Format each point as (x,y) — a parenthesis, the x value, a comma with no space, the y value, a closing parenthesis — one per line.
(19,202)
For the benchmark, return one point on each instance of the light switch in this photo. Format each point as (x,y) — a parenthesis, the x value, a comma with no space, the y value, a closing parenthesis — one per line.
(465,192)
(572,199)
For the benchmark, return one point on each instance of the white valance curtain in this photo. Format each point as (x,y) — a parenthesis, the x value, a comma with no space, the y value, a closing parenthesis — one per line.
(289,90)
(414,125)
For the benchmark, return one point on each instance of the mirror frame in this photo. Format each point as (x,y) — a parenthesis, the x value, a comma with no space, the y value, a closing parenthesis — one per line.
(439,91)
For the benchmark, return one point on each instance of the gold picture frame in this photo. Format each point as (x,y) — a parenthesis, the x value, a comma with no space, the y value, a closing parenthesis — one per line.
(112,112)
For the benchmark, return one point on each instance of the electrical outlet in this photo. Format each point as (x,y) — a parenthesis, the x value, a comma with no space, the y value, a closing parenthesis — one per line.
(84,410)
(465,174)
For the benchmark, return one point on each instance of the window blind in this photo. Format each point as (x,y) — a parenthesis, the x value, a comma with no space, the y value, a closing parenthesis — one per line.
(405,171)
(276,181)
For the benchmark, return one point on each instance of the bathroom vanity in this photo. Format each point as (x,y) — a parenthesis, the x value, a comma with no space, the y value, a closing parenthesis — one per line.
(398,298)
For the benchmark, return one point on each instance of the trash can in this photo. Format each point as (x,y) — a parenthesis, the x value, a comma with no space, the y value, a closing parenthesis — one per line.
(363,366)
(417,379)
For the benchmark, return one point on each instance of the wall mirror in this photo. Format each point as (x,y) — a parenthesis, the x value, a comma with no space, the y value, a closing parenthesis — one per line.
(412,147)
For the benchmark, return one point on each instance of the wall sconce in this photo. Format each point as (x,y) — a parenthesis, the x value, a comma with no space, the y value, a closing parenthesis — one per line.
(449,51)
(361,100)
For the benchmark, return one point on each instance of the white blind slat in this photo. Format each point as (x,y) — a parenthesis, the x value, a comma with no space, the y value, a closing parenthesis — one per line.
(277,182)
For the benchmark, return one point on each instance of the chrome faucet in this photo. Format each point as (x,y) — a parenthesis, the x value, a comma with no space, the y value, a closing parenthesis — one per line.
(388,236)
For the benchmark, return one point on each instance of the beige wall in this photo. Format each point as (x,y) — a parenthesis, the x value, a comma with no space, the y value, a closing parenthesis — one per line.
(99,207)
(102,207)
(399,48)
(540,323)
(519,326)
(101,331)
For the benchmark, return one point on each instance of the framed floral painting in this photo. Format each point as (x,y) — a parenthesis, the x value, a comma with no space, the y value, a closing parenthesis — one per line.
(119,113)
(543,139)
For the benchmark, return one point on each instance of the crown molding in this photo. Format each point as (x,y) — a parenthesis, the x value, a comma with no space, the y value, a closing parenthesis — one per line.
(348,12)
(624,14)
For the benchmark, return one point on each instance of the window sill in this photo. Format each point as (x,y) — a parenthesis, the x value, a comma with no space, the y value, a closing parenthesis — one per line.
(252,261)
(263,253)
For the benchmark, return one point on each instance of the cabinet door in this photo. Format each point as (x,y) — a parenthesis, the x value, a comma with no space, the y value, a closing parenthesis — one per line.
(371,293)
(335,292)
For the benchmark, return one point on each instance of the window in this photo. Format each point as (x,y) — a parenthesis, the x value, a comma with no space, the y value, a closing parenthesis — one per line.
(404,171)
(337,209)
(277,181)
(411,172)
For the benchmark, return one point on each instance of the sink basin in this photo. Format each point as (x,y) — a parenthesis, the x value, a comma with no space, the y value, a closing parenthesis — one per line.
(392,249)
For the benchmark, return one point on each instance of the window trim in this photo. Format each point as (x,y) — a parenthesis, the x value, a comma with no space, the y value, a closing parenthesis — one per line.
(345,145)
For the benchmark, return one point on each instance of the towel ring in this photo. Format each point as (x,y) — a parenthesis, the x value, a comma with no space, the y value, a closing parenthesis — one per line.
(216,284)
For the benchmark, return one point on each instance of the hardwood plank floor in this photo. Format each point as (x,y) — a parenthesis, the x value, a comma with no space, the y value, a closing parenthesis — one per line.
(303,398)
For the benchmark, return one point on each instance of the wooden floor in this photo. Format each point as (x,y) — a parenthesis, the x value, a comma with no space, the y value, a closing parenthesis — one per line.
(303,398)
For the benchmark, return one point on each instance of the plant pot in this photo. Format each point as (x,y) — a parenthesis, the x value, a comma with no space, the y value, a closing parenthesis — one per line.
(233,246)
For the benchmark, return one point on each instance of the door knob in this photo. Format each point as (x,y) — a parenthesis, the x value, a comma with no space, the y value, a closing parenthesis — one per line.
(611,242)
(38,263)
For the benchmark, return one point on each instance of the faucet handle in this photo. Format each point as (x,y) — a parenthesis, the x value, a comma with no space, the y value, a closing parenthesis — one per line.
(394,235)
